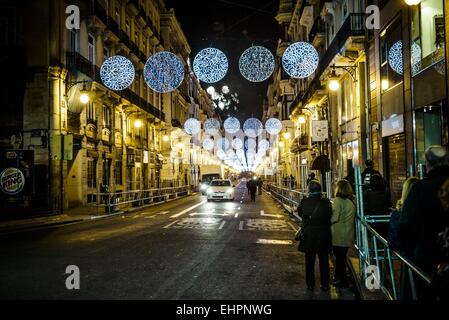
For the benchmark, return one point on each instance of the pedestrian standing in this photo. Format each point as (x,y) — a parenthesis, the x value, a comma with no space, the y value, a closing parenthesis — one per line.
(316,212)
(368,173)
(253,189)
(423,216)
(343,232)
(310,178)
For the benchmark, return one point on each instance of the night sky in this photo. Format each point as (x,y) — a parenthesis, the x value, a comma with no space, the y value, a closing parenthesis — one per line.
(231,26)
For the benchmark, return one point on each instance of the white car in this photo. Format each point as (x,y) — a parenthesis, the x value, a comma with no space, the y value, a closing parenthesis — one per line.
(220,190)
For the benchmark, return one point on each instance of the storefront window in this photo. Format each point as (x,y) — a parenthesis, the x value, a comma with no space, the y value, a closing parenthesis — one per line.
(428,130)
(391,56)
(427,31)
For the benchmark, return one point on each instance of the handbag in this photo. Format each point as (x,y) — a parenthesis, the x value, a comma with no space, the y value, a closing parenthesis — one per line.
(300,233)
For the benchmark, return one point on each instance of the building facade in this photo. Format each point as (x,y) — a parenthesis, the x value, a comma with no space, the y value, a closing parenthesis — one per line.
(379,94)
(87,139)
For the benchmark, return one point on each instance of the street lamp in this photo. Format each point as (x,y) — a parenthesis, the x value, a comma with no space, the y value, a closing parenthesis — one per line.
(138,123)
(334,83)
(385,84)
(166,138)
(286,135)
(412,2)
(302,119)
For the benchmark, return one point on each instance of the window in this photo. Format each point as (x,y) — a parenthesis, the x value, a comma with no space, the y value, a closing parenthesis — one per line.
(136,37)
(74,40)
(91,172)
(344,10)
(118,121)
(118,176)
(391,60)
(427,34)
(90,112)
(106,117)
(127,26)
(106,54)
(91,48)
(117,15)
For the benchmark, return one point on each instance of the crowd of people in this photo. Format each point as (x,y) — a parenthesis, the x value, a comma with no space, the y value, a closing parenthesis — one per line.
(418,227)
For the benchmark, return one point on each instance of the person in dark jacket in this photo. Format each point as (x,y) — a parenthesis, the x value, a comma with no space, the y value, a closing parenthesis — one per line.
(368,173)
(377,202)
(393,241)
(422,217)
(252,187)
(310,178)
(316,213)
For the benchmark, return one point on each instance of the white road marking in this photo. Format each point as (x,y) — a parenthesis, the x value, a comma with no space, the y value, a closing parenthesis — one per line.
(222,225)
(262,213)
(271,241)
(168,226)
(163,212)
(241,225)
(188,209)
(207,214)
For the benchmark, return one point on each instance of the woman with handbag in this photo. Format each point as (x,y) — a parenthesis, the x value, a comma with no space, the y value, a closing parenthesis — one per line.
(343,232)
(316,238)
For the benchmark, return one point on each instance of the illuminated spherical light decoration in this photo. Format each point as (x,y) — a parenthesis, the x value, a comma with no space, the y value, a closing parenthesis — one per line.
(252,127)
(212,126)
(223,144)
(210,65)
(221,154)
(117,73)
(231,125)
(395,58)
(192,126)
(250,144)
(237,143)
(208,144)
(256,64)
(273,126)
(240,153)
(264,144)
(164,72)
(300,60)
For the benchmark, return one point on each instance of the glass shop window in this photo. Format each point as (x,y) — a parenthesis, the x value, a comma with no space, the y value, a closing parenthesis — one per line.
(391,61)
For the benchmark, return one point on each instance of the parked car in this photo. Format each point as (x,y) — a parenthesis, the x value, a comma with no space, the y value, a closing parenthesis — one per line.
(220,190)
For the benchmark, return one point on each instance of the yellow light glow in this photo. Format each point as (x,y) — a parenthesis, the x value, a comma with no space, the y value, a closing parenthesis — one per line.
(84,98)
(179,145)
(286,135)
(385,84)
(334,85)
(281,144)
(302,119)
(412,2)
(165,138)
(138,124)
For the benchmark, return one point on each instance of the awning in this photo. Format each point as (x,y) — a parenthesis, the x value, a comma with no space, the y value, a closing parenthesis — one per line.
(321,163)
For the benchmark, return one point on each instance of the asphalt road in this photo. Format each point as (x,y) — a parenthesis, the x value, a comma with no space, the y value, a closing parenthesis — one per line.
(186,249)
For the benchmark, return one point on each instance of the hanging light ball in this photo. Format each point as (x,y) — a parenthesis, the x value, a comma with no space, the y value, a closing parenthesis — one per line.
(250,144)
(192,126)
(231,125)
(264,144)
(240,153)
(164,72)
(208,144)
(221,154)
(210,65)
(252,127)
(256,64)
(223,144)
(212,126)
(273,126)
(237,143)
(117,73)
(300,60)
(395,58)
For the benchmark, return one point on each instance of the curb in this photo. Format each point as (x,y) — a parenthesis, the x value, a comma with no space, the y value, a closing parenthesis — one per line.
(91,218)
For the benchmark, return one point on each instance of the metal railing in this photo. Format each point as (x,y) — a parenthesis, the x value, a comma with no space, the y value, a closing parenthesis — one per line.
(112,201)
(394,274)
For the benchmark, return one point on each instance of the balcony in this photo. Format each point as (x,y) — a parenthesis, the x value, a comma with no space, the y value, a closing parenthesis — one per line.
(76,62)
(318,28)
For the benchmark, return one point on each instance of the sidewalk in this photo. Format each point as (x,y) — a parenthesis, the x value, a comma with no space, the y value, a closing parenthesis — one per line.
(76,215)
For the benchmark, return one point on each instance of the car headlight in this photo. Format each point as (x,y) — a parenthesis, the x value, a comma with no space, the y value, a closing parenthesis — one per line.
(209,191)
(203,187)
(230,190)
